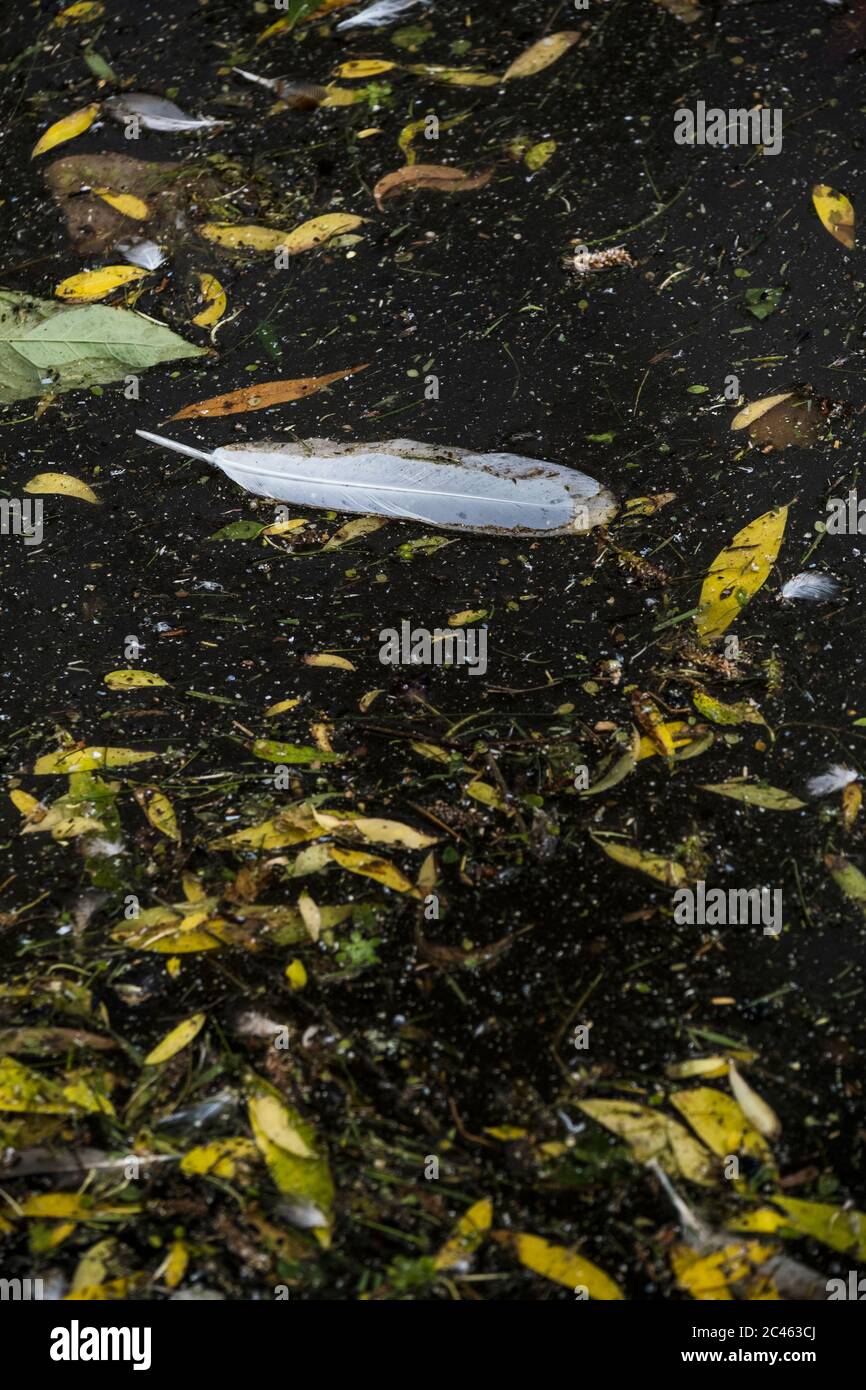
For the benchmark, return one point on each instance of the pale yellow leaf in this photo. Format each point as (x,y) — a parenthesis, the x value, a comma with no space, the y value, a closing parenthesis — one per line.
(179,1037)
(61,484)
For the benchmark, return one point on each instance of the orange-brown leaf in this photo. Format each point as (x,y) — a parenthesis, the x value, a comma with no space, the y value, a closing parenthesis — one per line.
(264,394)
(444,177)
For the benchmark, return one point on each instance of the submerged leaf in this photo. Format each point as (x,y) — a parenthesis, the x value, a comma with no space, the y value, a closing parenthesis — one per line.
(540,55)
(836,213)
(442,177)
(755,794)
(62,485)
(179,1037)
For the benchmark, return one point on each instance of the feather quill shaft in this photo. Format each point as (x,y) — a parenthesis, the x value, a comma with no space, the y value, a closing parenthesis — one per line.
(451,488)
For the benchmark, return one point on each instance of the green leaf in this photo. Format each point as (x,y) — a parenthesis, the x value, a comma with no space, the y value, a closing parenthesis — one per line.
(771,798)
(238,531)
(274,752)
(50,347)
(762,303)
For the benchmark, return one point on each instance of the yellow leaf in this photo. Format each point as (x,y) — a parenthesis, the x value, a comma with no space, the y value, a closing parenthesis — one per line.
(221,1158)
(561,1266)
(430,750)
(174,1266)
(371,67)
(234,235)
(89,760)
(302,238)
(467,615)
(454,77)
(173,1042)
(89,285)
(23,1091)
(652,1135)
(487,795)
(468,1234)
(718,1120)
(329,659)
(281,706)
(214,296)
(83,12)
(743,712)
(272,1118)
(159,811)
(292,827)
(739,571)
(62,484)
(836,213)
(750,413)
(370,866)
(538,155)
(296,974)
(25,803)
(843,1229)
(67,128)
(756,1110)
(540,55)
(374,829)
(129,679)
(711,1277)
(361,526)
(666,871)
(126,203)
(319,230)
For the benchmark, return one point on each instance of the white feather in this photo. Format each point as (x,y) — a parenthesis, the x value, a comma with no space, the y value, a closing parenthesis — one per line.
(155,113)
(380,13)
(143,253)
(455,489)
(833,780)
(820,588)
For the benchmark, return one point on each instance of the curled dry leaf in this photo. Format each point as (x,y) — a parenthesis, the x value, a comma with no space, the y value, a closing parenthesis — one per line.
(264,394)
(442,177)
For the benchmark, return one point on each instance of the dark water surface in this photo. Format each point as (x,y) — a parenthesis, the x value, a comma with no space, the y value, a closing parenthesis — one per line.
(415,1053)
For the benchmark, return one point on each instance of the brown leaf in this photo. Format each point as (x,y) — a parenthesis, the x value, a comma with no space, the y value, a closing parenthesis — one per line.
(265,394)
(444,177)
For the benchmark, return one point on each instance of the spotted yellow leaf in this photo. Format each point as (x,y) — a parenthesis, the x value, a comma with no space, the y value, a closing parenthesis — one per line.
(159,811)
(738,572)
(836,213)
(89,760)
(371,866)
(61,484)
(129,679)
(370,67)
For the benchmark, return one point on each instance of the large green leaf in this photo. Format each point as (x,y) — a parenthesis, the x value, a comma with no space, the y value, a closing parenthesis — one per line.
(49,347)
